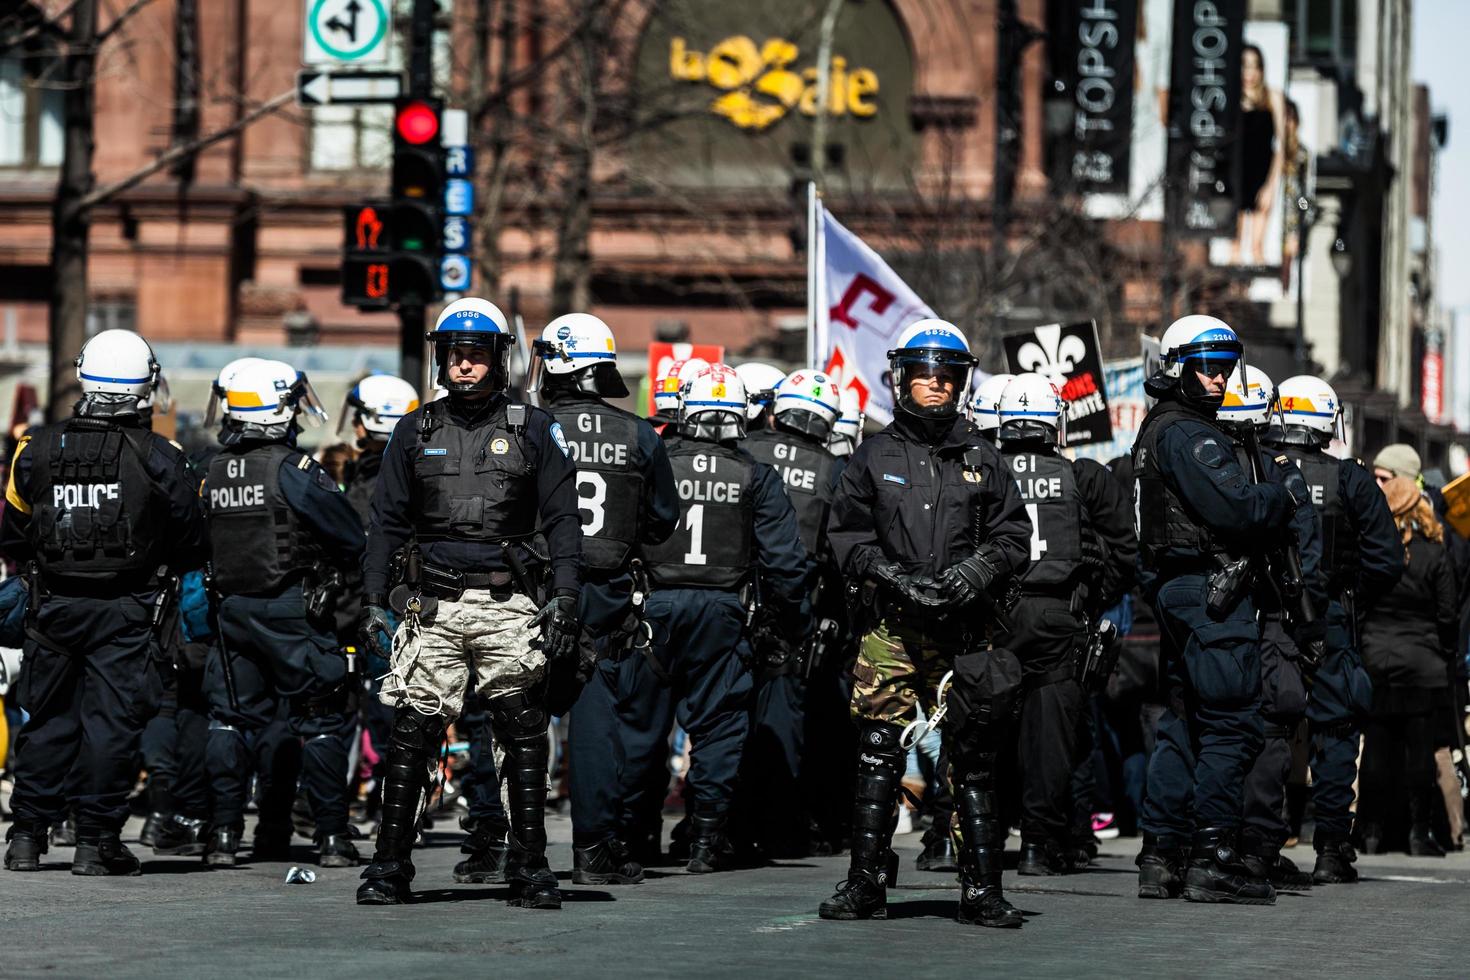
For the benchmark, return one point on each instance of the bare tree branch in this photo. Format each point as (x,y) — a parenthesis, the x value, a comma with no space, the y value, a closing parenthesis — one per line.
(120,20)
(175,153)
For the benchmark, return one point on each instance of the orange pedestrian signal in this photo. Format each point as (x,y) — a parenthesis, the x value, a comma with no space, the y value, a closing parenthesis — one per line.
(369,227)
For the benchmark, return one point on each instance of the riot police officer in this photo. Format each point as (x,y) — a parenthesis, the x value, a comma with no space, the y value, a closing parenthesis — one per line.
(804,406)
(1288,639)
(985,405)
(1201,522)
(666,389)
(104,513)
(281,530)
(736,525)
(1082,561)
(463,483)
(928,518)
(1362,558)
(761,381)
(627,499)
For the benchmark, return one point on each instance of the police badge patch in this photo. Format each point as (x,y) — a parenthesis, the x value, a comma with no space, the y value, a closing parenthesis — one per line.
(561,439)
(500,447)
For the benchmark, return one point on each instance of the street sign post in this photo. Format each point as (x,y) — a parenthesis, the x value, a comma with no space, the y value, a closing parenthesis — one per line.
(346,32)
(314,87)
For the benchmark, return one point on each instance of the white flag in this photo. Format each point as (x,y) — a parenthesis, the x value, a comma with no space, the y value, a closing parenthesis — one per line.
(862,306)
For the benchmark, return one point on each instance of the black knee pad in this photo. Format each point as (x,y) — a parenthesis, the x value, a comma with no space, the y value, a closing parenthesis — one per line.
(415,733)
(519,716)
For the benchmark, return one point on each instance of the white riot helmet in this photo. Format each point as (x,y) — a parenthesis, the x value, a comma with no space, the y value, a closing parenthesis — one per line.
(580,348)
(378,402)
(847,431)
(117,366)
(1196,344)
(1309,405)
(761,381)
(1248,402)
(666,386)
(1031,409)
(221,382)
(807,401)
(985,406)
(931,348)
(477,323)
(268,395)
(712,405)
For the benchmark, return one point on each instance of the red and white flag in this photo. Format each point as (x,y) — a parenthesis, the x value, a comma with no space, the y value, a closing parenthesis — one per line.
(858,307)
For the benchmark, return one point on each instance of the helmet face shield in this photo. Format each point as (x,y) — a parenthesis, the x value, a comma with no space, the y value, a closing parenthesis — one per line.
(541,352)
(448,346)
(308,405)
(944,370)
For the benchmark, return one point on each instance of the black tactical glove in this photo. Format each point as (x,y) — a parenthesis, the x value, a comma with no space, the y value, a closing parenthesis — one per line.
(559,627)
(376,630)
(908,587)
(1311,645)
(962,582)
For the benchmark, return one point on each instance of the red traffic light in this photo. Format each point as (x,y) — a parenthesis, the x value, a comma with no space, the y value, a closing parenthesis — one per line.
(417,123)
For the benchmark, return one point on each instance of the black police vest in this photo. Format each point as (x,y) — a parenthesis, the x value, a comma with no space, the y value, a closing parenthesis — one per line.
(257,542)
(473,484)
(1049,488)
(1160,520)
(602,441)
(805,469)
(362,480)
(713,544)
(1339,540)
(93,512)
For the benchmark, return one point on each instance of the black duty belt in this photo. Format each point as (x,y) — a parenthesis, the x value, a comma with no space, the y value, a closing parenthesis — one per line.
(448,583)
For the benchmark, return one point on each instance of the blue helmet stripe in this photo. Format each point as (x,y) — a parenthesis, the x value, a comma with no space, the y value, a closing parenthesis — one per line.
(252,408)
(115,381)
(1039,415)
(732,406)
(782,395)
(589,355)
(1299,411)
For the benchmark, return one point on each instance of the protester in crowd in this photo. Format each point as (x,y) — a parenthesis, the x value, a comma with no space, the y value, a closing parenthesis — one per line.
(1407,639)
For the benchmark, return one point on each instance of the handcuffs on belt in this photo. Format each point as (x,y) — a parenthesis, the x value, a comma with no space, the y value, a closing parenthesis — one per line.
(914,733)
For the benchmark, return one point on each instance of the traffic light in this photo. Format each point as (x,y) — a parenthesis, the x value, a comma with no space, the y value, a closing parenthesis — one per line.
(416,222)
(366,275)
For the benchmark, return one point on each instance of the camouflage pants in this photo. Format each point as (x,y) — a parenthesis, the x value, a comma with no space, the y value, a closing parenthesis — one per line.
(484,630)
(896,669)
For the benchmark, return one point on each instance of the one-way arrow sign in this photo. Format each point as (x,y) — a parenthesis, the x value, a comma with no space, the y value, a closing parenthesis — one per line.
(347,87)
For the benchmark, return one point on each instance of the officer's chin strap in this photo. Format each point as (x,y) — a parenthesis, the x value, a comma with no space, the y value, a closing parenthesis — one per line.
(407,642)
(915,731)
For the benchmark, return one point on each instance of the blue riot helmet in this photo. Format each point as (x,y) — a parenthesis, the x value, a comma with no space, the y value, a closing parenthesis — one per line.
(931,348)
(473,322)
(1194,345)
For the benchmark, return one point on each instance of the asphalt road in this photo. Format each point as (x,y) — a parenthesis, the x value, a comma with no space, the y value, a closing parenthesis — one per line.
(1406,919)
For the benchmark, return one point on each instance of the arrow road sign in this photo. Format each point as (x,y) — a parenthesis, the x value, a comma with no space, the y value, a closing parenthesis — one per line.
(350,31)
(347,87)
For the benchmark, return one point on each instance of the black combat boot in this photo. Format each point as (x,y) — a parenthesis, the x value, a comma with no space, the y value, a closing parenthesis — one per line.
(153,825)
(1217,875)
(487,855)
(1264,861)
(938,853)
(605,863)
(180,835)
(336,851)
(1045,858)
(388,880)
(709,849)
(221,848)
(1335,858)
(873,865)
(27,844)
(103,854)
(520,727)
(1161,864)
(982,843)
